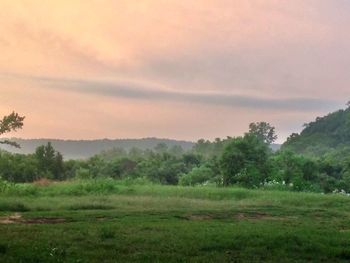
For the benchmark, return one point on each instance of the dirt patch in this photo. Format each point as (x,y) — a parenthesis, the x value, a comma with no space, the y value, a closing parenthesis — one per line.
(44,220)
(10,219)
(18,219)
(238,216)
(256,216)
(262,216)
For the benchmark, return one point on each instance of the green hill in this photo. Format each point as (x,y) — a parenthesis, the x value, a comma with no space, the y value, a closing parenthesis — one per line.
(324,135)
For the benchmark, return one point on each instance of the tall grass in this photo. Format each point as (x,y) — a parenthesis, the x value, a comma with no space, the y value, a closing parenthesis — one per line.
(125,187)
(101,187)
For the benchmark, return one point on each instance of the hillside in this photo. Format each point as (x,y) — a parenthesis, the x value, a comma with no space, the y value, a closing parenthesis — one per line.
(325,134)
(81,149)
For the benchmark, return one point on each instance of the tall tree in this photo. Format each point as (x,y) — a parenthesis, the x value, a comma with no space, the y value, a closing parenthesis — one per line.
(12,122)
(264,131)
(244,161)
(50,162)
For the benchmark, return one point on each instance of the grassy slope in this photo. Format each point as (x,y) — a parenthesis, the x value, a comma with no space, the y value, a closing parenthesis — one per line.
(110,222)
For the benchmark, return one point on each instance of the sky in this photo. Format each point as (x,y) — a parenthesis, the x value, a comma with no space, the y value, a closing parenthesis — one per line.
(89,69)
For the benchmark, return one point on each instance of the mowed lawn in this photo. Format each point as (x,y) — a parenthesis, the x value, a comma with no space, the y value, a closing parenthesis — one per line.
(103,221)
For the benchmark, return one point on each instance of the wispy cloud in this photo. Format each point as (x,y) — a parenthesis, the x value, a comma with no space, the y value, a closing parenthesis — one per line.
(143,92)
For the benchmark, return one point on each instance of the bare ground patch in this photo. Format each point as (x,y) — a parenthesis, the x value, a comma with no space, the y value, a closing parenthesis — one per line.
(18,219)
(10,219)
(237,216)
(261,216)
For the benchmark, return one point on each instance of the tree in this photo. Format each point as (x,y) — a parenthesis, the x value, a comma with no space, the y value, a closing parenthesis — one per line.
(176,150)
(244,161)
(204,148)
(263,131)
(12,122)
(50,162)
(161,148)
(322,136)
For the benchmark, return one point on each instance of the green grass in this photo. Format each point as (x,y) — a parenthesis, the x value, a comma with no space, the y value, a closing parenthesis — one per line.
(108,221)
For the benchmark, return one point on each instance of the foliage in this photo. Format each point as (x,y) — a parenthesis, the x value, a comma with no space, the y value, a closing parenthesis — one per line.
(50,162)
(197,176)
(45,163)
(4,185)
(331,132)
(264,131)
(18,168)
(12,122)
(244,161)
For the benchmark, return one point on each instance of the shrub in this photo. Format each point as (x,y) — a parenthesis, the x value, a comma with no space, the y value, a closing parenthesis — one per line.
(83,173)
(198,175)
(4,185)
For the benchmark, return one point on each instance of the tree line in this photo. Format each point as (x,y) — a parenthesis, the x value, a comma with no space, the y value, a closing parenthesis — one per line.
(245,160)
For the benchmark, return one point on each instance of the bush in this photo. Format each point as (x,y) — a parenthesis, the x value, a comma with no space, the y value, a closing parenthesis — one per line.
(83,174)
(4,185)
(197,176)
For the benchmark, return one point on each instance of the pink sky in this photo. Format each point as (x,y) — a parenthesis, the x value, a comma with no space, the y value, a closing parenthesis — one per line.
(177,69)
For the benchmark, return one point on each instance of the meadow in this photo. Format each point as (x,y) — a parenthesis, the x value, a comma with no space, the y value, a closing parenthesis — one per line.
(122,221)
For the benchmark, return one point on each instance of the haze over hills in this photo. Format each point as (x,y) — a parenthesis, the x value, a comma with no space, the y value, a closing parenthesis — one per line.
(82,149)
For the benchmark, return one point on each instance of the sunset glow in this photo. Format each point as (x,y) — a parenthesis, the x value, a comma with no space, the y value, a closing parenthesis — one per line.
(177,69)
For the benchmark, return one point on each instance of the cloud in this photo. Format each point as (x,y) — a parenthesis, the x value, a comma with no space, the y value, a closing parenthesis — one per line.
(248,59)
(142,92)
(277,48)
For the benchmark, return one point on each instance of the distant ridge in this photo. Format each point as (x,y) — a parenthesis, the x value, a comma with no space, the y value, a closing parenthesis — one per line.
(82,149)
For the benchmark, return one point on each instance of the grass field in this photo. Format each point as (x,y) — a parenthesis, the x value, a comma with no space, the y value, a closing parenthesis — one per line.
(107,221)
